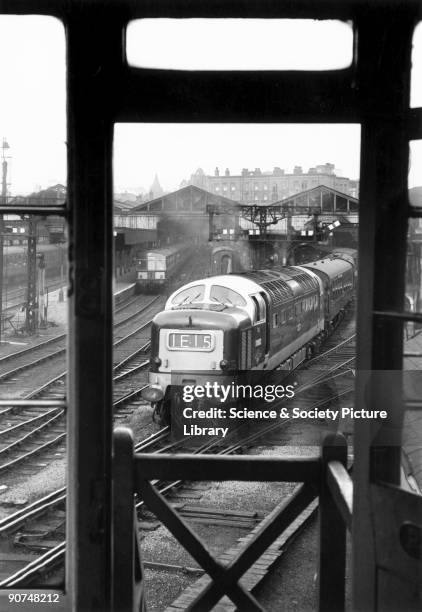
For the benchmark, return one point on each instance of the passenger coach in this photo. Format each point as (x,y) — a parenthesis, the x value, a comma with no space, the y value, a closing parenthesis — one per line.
(157,267)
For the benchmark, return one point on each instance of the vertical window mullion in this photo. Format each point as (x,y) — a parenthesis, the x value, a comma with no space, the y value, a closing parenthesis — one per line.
(94,50)
(383,81)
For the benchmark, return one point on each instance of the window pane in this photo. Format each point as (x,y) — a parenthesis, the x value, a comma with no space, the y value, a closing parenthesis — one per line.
(243,44)
(415,173)
(33,287)
(193,294)
(170,194)
(33,368)
(416,73)
(32,114)
(412,362)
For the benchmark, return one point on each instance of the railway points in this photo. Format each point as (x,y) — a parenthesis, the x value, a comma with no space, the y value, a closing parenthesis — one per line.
(42,443)
(322,393)
(51,558)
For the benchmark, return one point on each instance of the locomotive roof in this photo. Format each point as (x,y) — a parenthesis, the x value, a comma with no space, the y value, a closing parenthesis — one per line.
(283,284)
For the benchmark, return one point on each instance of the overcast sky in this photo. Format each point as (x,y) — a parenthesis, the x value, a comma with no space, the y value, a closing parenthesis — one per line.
(32,108)
(175,151)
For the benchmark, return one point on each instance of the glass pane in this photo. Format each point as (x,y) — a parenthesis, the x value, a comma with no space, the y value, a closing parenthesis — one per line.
(416,73)
(412,362)
(243,44)
(32,114)
(415,173)
(33,364)
(186,198)
(33,294)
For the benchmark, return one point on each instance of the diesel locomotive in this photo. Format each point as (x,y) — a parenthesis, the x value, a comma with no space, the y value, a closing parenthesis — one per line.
(222,327)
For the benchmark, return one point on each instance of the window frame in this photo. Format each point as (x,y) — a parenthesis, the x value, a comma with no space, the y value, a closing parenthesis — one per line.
(361,94)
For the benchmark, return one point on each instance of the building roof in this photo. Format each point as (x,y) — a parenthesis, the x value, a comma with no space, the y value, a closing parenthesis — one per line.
(312,192)
(189,193)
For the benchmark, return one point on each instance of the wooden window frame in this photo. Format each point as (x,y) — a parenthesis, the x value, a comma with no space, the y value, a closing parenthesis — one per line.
(103,89)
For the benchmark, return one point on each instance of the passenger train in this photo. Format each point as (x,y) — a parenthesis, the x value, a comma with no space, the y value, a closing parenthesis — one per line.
(156,268)
(223,326)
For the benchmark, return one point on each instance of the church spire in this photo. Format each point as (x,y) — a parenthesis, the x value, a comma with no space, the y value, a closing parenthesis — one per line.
(156,190)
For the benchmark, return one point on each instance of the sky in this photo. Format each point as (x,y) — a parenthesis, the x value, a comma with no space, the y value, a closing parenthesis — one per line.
(181,149)
(32,104)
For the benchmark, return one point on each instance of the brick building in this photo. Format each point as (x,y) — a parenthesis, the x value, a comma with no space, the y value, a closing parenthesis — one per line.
(262,187)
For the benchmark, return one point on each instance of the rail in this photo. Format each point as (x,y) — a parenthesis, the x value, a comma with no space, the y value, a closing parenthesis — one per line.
(323,476)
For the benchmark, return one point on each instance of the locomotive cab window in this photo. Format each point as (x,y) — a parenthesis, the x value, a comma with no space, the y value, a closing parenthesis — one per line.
(226,296)
(191,295)
(260,307)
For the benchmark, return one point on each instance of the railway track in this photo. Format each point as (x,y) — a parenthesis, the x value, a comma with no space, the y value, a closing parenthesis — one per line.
(36,355)
(329,376)
(47,520)
(34,430)
(196,513)
(40,527)
(334,364)
(48,421)
(27,430)
(44,535)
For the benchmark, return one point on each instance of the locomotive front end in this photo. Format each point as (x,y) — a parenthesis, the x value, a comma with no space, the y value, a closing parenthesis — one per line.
(194,353)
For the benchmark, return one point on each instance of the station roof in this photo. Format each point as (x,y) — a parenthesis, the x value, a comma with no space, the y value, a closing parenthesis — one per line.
(189,199)
(194,201)
(311,198)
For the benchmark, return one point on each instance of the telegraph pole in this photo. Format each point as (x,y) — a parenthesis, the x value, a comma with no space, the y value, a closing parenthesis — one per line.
(3,202)
(31,303)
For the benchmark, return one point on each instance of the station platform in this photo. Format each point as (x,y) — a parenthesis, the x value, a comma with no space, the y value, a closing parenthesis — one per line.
(120,287)
(123,290)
